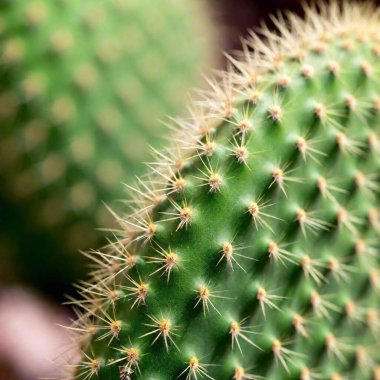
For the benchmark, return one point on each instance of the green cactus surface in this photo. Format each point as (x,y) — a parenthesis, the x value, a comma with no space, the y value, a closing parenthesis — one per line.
(253,251)
(82,84)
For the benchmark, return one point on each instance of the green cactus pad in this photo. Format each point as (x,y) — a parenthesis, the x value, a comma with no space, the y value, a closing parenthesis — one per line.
(253,252)
(82,85)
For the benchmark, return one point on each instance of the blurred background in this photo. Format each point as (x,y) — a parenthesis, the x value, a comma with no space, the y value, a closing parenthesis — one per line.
(83,88)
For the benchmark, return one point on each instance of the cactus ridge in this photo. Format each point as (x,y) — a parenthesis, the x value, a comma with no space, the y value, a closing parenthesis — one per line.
(81,86)
(251,250)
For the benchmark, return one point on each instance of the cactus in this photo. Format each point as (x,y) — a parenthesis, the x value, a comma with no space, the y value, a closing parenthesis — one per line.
(80,86)
(253,250)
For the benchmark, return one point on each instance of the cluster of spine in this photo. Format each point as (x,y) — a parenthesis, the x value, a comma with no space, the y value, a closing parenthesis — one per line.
(82,85)
(253,251)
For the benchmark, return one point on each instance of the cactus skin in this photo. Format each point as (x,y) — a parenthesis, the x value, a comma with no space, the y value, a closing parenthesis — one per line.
(80,87)
(257,254)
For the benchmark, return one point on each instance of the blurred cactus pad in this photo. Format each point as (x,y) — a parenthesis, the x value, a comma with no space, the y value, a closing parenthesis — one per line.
(82,84)
(253,250)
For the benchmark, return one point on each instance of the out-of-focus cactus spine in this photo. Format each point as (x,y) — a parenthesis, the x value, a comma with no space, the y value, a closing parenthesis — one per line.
(256,250)
(82,84)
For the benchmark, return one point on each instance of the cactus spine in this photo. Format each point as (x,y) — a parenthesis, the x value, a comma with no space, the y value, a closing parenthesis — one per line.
(81,86)
(254,252)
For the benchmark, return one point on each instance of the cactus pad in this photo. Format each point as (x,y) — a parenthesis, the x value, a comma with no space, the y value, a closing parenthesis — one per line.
(253,252)
(82,85)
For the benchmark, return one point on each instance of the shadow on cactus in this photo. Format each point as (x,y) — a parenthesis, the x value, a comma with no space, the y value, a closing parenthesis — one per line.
(82,85)
(253,252)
